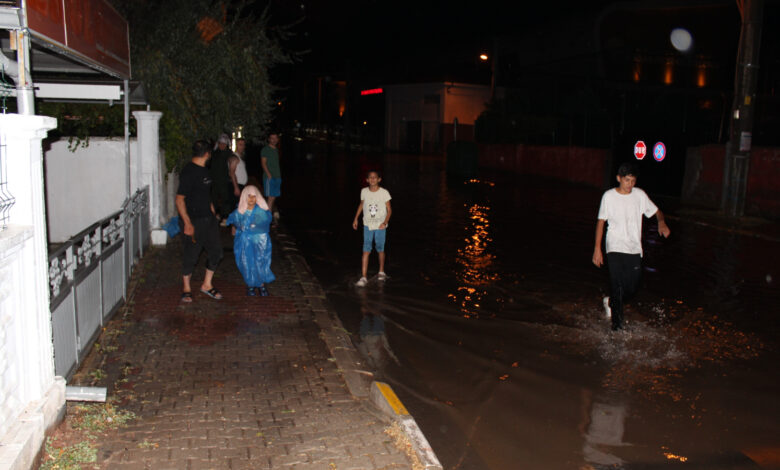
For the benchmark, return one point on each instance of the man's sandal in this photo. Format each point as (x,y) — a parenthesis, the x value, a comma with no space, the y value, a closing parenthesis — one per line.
(186,297)
(213,293)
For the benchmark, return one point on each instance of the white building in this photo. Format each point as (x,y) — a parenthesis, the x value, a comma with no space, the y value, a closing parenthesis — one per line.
(425,117)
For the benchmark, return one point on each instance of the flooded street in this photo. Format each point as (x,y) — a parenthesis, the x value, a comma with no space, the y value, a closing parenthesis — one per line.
(490,328)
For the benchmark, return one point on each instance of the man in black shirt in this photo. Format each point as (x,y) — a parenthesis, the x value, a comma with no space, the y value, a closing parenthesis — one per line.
(199,223)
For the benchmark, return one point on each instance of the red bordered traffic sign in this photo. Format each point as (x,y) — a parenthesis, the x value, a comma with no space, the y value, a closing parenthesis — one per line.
(640,149)
(659,151)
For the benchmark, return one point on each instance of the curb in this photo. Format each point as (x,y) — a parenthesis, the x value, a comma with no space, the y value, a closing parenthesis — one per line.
(383,396)
(359,380)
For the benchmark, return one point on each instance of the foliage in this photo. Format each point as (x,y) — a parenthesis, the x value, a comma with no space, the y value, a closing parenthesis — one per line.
(80,121)
(205,64)
(70,457)
(88,421)
(100,417)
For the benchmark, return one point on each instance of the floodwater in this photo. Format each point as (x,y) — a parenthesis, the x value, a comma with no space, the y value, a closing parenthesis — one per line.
(491,332)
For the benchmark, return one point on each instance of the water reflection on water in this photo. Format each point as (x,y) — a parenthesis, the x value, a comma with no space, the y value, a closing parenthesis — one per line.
(475,259)
(490,328)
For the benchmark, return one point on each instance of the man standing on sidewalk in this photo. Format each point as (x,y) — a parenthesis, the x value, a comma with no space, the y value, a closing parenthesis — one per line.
(272,173)
(221,186)
(200,227)
(237,170)
(622,209)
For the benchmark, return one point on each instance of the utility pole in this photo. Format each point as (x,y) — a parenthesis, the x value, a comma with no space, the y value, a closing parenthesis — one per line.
(737,161)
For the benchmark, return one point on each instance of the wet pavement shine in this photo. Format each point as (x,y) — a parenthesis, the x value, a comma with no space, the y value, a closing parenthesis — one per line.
(490,327)
(238,383)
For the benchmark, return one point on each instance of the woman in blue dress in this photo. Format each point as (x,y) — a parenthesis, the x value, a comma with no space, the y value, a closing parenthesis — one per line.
(252,244)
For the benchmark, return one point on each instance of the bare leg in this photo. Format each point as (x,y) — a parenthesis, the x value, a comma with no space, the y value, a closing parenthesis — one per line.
(271,200)
(364,264)
(186,283)
(381,261)
(207,280)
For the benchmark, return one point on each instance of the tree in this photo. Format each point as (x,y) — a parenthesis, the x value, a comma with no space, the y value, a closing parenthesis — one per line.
(205,65)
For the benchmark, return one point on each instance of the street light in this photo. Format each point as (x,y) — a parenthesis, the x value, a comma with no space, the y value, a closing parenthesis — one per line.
(484,58)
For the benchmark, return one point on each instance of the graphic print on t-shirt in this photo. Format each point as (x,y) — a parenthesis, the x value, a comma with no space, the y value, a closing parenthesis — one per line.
(373,209)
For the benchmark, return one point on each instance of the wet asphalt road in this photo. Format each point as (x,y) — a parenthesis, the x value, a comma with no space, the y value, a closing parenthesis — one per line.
(491,332)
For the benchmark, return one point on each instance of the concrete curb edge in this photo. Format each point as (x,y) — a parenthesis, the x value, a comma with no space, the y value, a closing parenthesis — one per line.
(383,396)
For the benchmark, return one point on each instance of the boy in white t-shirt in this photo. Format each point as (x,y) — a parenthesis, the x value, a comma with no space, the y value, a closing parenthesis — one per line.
(622,209)
(375,206)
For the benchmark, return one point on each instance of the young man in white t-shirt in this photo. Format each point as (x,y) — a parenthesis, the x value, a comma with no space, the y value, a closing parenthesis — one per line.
(622,209)
(375,207)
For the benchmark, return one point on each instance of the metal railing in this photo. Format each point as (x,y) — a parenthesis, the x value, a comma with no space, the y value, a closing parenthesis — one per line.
(88,278)
(6,198)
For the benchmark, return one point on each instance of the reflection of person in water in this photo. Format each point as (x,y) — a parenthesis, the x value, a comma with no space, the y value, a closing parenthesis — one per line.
(602,427)
(373,340)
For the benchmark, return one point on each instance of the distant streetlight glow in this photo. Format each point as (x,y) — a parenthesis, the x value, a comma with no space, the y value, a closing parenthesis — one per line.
(483,57)
(701,75)
(668,72)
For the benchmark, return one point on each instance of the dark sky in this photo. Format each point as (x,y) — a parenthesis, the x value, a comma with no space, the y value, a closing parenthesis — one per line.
(374,42)
(403,39)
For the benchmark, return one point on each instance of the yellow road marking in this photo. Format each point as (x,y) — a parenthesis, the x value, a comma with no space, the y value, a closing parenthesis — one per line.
(392,399)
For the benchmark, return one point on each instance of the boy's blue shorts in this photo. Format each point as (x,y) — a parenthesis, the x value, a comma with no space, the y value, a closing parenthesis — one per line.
(373,238)
(272,187)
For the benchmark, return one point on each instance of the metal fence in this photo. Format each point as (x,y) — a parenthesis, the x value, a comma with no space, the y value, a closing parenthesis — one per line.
(88,278)
(6,198)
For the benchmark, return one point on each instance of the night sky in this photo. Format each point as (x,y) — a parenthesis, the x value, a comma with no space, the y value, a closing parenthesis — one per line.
(411,40)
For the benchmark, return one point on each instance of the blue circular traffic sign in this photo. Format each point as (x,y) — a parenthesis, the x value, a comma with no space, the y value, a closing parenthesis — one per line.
(659,151)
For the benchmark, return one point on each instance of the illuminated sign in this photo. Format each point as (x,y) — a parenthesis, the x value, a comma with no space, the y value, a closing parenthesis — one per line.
(372,91)
(640,150)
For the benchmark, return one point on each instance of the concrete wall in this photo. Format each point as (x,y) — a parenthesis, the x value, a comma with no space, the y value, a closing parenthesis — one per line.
(576,164)
(404,103)
(464,102)
(32,399)
(703,180)
(87,185)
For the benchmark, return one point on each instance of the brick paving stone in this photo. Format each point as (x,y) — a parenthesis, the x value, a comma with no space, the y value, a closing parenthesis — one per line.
(246,382)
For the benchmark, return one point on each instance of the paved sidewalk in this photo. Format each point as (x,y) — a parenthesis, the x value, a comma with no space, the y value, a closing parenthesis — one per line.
(241,383)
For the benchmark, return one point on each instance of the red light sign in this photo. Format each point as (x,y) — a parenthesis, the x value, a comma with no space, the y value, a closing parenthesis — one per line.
(372,91)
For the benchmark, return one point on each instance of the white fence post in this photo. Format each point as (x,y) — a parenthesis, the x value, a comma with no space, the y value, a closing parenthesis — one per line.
(152,169)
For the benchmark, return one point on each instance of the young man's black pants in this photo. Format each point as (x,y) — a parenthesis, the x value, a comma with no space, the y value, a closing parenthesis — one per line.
(625,271)
(206,237)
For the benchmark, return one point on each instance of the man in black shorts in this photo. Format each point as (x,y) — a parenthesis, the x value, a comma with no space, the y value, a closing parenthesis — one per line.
(198,220)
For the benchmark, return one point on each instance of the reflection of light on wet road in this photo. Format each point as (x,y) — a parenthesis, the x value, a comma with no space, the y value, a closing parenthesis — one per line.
(672,456)
(475,261)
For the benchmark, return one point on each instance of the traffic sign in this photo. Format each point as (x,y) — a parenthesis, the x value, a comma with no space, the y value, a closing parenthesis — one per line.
(659,151)
(640,149)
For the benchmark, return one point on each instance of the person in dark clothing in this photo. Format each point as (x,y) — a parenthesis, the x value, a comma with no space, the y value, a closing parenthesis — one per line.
(199,223)
(222,187)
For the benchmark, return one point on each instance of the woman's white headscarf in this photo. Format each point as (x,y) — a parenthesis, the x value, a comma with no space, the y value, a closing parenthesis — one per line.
(243,204)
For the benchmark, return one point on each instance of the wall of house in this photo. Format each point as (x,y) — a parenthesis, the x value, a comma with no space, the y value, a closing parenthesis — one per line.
(32,399)
(87,185)
(464,102)
(703,180)
(428,111)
